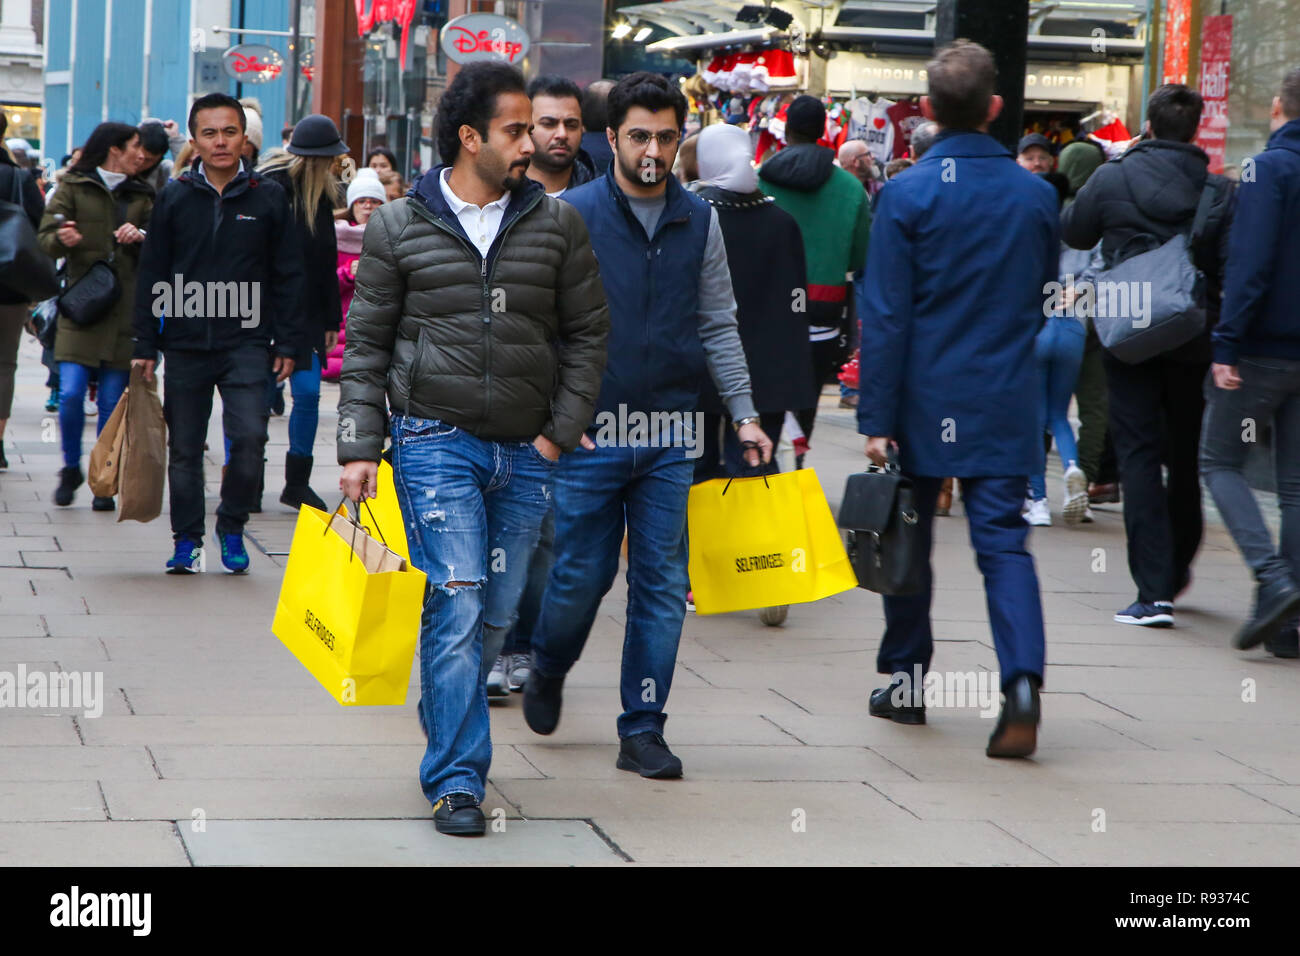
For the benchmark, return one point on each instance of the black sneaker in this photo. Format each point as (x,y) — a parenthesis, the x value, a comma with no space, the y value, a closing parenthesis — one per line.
(1157,614)
(543,696)
(891,702)
(648,755)
(1275,601)
(458,814)
(1285,644)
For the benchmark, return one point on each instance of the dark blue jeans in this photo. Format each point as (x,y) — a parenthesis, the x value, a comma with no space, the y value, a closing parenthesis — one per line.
(473,510)
(74,379)
(998,534)
(1269,392)
(520,639)
(596,492)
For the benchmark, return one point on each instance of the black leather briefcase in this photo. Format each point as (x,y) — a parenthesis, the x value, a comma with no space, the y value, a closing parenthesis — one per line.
(878,513)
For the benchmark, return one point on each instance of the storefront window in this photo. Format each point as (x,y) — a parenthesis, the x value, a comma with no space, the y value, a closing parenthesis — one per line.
(1265,46)
(24,123)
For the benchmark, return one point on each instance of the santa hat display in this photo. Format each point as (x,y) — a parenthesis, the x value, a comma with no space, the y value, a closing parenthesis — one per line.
(775,70)
(1114,138)
(713,70)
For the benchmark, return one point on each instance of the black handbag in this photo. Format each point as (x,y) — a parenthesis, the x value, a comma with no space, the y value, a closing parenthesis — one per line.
(883,541)
(24,267)
(88,301)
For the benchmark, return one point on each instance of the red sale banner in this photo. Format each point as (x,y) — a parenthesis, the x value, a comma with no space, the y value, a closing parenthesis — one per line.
(1178,31)
(1216,49)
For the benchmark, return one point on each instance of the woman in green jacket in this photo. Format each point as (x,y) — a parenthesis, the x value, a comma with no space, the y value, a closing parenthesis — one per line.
(99,212)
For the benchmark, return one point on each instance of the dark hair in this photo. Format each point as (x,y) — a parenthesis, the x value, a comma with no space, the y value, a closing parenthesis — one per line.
(4,123)
(1174,111)
(101,139)
(595,104)
(553,85)
(383,151)
(647,90)
(471,100)
(65,160)
(213,101)
(1290,95)
(153,138)
(961,79)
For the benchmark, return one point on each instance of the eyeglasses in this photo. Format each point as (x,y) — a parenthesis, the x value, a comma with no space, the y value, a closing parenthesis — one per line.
(666,138)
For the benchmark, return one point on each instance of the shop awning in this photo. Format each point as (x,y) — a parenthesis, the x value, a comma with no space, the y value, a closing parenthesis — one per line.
(1054,25)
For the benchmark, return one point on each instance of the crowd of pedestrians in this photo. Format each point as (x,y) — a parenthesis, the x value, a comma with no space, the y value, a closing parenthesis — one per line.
(572,259)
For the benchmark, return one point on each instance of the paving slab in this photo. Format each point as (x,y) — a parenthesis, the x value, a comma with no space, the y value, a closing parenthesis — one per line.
(342,843)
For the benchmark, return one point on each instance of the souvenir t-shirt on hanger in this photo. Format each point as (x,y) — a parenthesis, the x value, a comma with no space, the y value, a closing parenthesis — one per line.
(869,122)
(904,116)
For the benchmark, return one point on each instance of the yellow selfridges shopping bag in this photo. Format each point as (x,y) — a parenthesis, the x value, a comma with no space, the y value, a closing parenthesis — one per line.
(349,609)
(764,542)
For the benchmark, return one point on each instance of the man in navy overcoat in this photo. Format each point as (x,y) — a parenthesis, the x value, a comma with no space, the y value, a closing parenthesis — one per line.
(962,250)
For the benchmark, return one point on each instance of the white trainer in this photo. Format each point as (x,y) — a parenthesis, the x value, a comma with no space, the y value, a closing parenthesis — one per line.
(1076,495)
(1039,514)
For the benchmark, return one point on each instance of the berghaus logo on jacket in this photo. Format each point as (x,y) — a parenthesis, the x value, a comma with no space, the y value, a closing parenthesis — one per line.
(239,216)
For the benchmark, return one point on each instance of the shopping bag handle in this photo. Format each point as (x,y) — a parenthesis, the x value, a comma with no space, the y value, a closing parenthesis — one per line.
(356,522)
(744,447)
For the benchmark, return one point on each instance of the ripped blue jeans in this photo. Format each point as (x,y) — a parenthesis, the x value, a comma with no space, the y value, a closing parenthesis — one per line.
(473,511)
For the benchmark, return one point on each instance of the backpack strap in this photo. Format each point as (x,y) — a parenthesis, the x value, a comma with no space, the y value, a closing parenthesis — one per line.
(1202,211)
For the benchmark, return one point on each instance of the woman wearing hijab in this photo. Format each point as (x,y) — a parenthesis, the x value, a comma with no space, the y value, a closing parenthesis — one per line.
(766,258)
(308,173)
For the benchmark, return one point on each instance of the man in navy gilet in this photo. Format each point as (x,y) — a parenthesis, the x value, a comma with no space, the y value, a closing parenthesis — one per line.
(673,319)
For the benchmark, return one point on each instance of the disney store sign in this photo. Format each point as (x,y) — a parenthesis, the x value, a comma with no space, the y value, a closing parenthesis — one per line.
(484,36)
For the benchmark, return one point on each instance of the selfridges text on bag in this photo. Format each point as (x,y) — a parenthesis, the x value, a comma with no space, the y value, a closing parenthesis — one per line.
(1173,288)
(879,514)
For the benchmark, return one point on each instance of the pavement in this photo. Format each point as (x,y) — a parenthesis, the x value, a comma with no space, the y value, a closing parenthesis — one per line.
(215,747)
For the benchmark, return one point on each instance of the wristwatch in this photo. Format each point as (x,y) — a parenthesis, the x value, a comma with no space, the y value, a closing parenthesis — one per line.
(752,420)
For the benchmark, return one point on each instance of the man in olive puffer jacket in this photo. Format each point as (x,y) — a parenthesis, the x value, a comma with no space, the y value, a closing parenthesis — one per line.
(480,319)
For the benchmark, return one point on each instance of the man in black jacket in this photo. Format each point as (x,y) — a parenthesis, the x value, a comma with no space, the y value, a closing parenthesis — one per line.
(218,290)
(1150,194)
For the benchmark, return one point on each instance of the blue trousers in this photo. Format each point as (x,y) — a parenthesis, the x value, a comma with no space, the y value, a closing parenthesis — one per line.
(998,534)
(1059,352)
(74,379)
(597,492)
(473,510)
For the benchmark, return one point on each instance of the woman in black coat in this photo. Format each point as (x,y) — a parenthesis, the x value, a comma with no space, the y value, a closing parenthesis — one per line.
(307,175)
(19,184)
(766,256)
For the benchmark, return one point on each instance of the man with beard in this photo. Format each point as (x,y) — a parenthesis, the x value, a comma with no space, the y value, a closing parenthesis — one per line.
(479,318)
(663,264)
(559,162)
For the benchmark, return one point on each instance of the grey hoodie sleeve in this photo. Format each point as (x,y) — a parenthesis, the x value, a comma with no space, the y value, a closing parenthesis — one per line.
(718,329)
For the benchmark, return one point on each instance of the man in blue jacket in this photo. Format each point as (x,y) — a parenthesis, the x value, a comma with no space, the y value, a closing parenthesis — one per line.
(1255,375)
(961,252)
(663,264)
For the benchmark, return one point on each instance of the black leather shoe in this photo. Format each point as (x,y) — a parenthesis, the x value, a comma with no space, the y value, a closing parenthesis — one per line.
(103,504)
(1275,601)
(70,479)
(458,814)
(648,755)
(891,702)
(543,696)
(1016,734)
(1285,644)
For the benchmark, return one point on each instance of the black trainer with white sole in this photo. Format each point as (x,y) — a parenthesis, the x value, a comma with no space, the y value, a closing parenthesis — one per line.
(1157,614)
